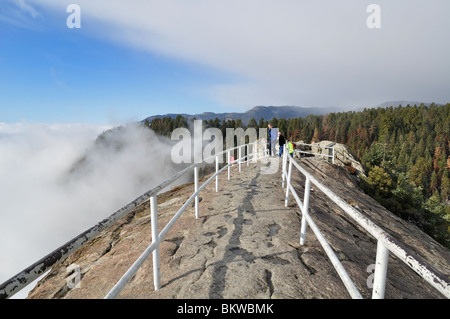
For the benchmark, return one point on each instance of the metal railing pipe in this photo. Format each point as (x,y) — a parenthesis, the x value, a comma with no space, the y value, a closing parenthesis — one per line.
(248,154)
(286,200)
(217,174)
(370,226)
(307,220)
(196,189)
(347,281)
(155,239)
(283,166)
(305,211)
(421,267)
(381,264)
(186,204)
(229,166)
(426,271)
(114,292)
(240,158)
(311,153)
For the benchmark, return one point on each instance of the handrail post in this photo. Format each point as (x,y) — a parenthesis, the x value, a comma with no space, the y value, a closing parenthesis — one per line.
(305,211)
(286,201)
(155,239)
(217,172)
(248,154)
(196,189)
(379,280)
(257,150)
(229,164)
(253,151)
(282,170)
(240,157)
(283,173)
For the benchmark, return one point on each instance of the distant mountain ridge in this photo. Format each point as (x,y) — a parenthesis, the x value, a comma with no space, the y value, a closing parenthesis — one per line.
(257,112)
(286,112)
(404,103)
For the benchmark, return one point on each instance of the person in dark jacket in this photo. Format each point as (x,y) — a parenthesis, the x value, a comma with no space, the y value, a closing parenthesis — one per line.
(270,139)
(281,142)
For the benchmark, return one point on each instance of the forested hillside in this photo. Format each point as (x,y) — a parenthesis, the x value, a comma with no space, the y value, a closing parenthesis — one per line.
(405,151)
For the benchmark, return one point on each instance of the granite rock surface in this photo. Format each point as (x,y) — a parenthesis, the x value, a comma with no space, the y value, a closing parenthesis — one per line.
(245,244)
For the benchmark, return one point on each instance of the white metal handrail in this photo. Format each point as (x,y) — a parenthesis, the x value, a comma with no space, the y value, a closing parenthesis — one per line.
(157,239)
(332,156)
(385,244)
(316,154)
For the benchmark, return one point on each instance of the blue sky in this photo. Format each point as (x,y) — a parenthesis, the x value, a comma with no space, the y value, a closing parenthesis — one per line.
(50,73)
(132,59)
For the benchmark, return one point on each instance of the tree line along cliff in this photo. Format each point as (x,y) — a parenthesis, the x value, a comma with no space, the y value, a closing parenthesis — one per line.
(405,151)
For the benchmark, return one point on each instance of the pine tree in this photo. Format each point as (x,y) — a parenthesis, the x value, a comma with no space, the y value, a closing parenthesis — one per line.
(445,187)
(252,123)
(316,137)
(433,183)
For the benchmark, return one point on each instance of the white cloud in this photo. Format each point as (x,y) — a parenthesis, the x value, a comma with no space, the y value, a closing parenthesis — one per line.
(304,52)
(296,52)
(18,13)
(27,8)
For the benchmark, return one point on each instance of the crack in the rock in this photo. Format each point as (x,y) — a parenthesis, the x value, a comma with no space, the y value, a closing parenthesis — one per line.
(269,282)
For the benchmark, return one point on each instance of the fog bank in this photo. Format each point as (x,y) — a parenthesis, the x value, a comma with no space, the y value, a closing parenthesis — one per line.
(59,180)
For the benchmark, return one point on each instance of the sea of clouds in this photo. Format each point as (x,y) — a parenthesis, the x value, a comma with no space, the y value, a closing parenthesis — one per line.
(56,182)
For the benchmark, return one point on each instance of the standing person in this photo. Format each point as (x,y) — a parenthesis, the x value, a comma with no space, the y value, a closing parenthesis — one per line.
(270,139)
(274,140)
(281,142)
(291,147)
